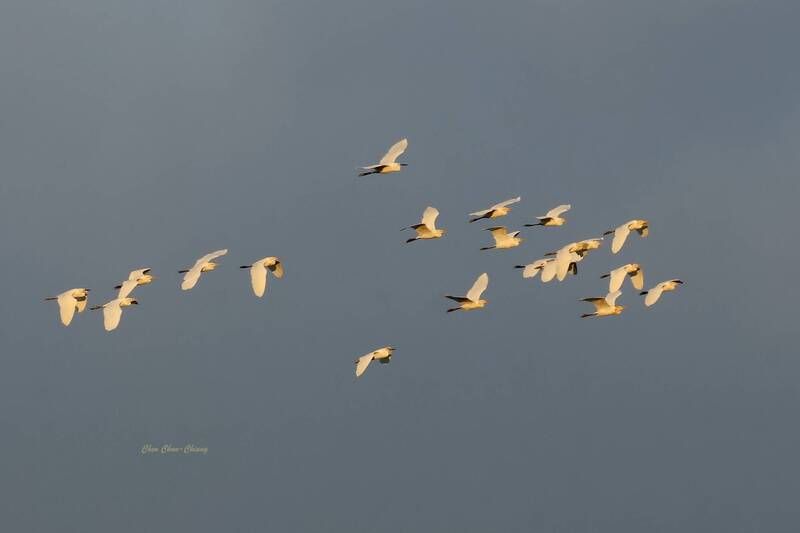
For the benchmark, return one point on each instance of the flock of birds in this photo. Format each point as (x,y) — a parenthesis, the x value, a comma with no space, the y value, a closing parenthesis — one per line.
(557,264)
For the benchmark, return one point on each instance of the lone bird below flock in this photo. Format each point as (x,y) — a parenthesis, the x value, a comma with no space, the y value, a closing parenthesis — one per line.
(112,311)
(388,162)
(642,227)
(604,306)
(204,264)
(135,279)
(70,301)
(496,211)
(503,239)
(654,294)
(426,229)
(258,273)
(384,355)
(552,218)
(618,276)
(473,298)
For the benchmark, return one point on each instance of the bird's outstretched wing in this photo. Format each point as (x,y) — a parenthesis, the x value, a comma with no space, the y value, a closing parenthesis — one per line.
(112,313)
(478,287)
(208,257)
(620,234)
(553,213)
(66,307)
(617,277)
(638,279)
(258,278)
(362,363)
(549,271)
(394,152)
(563,259)
(507,202)
(499,233)
(653,295)
(611,298)
(127,287)
(599,303)
(429,217)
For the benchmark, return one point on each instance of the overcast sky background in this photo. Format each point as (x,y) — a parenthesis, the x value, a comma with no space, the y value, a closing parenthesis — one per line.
(145,134)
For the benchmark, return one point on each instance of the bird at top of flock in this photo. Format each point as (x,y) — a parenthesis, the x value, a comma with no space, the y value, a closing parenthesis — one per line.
(565,256)
(473,298)
(388,162)
(531,269)
(204,264)
(426,229)
(503,240)
(112,311)
(642,227)
(605,306)
(651,296)
(70,301)
(553,217)
(617,276)
(135,279)
(258,273)
(382,355)
(496,211)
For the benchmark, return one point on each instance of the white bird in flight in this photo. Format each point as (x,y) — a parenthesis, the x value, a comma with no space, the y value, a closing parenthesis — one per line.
(69,302)
(642,227)
(634,270)
(112,311)
(503,240)
(384,355)
(258,273)
(496,211)
(388,162)
(552,218)
(530,270)
(135,279)
(654,294)
(426,229)
(604,306)
(473,298)
(565,256)
(204,264)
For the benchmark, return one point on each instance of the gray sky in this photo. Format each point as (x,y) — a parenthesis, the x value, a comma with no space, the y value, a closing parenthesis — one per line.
(147,133)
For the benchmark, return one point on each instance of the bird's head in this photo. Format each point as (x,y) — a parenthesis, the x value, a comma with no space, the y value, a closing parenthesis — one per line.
(209,267)
(618,309)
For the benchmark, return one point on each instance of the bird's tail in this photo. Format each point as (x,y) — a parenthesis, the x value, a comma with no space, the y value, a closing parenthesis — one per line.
(412,239)
(95,308)
(367,173)
(609,232)
(477,218)
(586,315)
(453,309)
(532,225)
(519,266)
(182,271)
(488,248)
(643,293)
(605,276)
(51,298)
(245,266)
(117,286)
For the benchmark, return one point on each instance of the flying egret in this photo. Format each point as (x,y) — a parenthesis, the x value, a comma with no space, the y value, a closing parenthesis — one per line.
(634,270)
(384,355)
(387,163)
(503,239)
(135,279)
(70,301)
(530,270)
(473,298)
(552,218)
(621,232)
(112,311)
(258,273)
(565,256)
(426,229)
(496,211)
(655,293)
(204,264)
(604,306)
